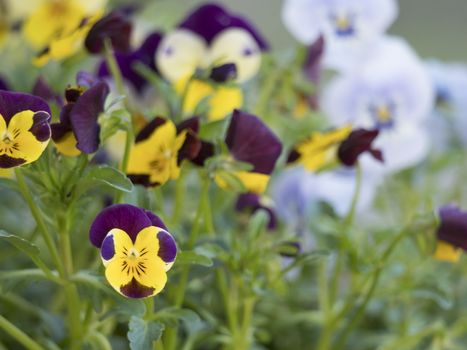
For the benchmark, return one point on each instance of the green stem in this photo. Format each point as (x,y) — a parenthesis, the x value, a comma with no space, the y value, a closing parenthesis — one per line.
(117,77)
(324,302)
(171,333)
(243,340)
(36,213)
(355,319)
(179,196)
(99,341)
(19,335)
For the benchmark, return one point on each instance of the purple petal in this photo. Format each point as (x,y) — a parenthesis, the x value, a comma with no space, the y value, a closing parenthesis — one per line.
(155,220)
(40,126)
(358,142)
(44,91)
(453,226)
(86,79)
(190,123)
(312,64)
(206,151)
(210,19)
(115,27)
(84,116)
(224,73)
(250,140)
(167,247)
(12,103)
(125,217)
(126,61)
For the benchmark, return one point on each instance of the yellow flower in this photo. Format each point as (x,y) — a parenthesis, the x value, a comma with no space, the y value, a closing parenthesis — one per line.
(320,150)
(447,252)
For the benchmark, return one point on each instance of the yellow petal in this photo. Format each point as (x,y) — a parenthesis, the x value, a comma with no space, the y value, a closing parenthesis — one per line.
(253,182)
(320,149)
(26,145)
(67,145)
(236,45)
(447,252)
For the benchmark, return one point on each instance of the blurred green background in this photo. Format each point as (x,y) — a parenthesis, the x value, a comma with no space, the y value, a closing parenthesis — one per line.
(436,28)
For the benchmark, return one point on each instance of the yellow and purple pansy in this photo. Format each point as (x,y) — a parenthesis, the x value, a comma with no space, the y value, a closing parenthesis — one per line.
(249,140)
(159,149)
(24,128)
(451,234)
(78,129)
(342,145)
(136,249)
(67,24)
(209,37)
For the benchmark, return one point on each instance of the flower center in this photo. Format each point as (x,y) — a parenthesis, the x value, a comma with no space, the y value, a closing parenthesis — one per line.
(8,144)
(343,24)
(383,115)
(133,261)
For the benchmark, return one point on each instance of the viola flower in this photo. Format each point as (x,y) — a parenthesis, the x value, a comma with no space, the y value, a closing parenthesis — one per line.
(24,128)
(68,22)
(159,149)
(250,140)
(451,234)
(390,92)
(78,129)
(136,249)
(251,202)
(348,27)
(210,36)
(115,27)
(448,118)
(326,149)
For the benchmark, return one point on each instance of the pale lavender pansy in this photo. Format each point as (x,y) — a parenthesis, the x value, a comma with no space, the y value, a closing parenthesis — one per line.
(391,91)
(348,26)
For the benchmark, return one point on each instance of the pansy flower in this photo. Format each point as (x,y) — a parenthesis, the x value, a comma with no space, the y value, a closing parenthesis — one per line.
(159,149)
(390,92)
(341,145)
(249,140)
(136,249)
(58,28)
(114,27)
(78,129)
(209,37)
(451,234)
(251,202)
(348,27)
(24,128)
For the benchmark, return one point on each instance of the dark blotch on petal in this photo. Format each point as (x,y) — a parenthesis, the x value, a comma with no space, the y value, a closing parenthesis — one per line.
(223,73)
(210,19)
(12,103)
(192,144)
(59,130)
(155,220)
(9,162)
(134,289)
(125,217)
(453,226)
(293,156)
(358,142)
(84,116)
(147,131)
(250,140)
(40,126)
(167,247)
(108,248)
(116,27)
(190,123)
(142,179)
(72,94)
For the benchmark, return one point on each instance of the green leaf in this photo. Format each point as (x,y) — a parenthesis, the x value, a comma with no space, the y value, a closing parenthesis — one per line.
(142,334)
(130,307)
(258,222)
(20,243)
(111,177)
(171,316)
(192,257)
(212,130)
(119,119)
